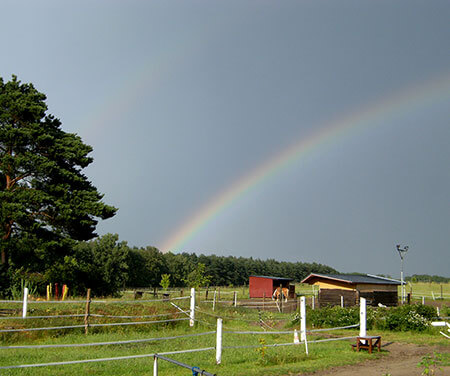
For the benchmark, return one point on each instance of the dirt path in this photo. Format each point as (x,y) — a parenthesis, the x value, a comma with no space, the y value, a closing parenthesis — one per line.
(401,360)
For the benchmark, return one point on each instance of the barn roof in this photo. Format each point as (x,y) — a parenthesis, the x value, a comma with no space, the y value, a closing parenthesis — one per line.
(353,278)
(269,277)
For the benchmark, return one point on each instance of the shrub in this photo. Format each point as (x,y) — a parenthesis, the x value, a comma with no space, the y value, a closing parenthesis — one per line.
(403,318)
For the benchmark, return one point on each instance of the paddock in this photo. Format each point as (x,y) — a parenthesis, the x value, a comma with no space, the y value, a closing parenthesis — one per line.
(227,337)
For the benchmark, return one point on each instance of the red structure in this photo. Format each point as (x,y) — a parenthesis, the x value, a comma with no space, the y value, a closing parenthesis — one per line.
(262,286)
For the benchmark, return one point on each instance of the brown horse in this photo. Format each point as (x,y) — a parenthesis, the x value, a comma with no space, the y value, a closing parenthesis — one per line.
(280,293)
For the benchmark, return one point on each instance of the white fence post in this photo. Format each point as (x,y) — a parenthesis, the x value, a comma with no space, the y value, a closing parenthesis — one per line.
(235,298)
(342,301)
(219,341)
(302,318)
(423,300)
(362,317)
(303,322)
(155,366)
(25,302)
(214,300)
(192,312)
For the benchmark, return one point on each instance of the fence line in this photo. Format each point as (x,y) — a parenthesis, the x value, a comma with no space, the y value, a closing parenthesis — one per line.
(288,344)
(225,317)
(336,328)
(90,325)
(105,359)
(105,343)
(95,301)
(218,332)
(91,315)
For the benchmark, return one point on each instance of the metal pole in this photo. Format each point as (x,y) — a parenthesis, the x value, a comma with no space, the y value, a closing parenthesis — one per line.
(25,302)
(401,277)
(202,372)
(401,252)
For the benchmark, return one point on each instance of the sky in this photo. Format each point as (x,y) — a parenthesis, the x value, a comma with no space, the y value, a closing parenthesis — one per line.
(312,131)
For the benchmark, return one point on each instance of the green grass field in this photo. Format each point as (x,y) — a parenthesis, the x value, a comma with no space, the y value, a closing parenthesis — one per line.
(258,359)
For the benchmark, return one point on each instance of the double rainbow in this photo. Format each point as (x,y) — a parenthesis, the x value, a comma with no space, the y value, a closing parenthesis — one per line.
(402,102)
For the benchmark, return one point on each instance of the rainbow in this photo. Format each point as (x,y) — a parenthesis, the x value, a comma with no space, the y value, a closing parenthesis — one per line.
(329,133)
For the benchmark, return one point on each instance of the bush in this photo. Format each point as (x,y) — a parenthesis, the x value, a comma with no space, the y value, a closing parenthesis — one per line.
(407,317)
(403,318)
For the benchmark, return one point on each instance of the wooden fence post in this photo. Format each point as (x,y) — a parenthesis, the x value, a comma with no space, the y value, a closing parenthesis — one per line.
(87,311)
(281,298)
(264,301)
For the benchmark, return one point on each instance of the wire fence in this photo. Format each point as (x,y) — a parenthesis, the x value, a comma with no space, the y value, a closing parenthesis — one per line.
(218,332)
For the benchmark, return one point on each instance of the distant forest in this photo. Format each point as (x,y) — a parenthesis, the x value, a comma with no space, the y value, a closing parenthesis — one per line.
(148,265)
(107,265)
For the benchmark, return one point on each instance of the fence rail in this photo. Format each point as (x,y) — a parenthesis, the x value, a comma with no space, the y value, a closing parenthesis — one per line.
(195,370)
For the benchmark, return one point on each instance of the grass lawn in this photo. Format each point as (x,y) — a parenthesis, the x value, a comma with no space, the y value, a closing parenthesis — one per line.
(256,360)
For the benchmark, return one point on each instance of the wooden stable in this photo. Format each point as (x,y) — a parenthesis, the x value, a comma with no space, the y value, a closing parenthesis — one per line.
(264,286)
(342,289)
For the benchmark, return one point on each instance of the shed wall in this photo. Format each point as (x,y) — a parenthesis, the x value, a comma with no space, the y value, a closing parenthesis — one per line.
(332,297)
(334,285)
(372,287)
(258,287)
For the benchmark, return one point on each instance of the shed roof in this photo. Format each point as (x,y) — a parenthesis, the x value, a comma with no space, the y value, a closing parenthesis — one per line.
(353,278)
(269,277)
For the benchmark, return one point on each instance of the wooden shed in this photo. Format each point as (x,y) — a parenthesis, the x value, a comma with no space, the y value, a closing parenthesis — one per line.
(377,290)
(263,286)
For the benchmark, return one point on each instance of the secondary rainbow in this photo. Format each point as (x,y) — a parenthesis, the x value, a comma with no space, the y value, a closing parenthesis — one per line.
(402,102)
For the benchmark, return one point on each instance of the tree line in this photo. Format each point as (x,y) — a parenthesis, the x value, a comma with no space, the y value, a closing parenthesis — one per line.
(107,265)
(427,278)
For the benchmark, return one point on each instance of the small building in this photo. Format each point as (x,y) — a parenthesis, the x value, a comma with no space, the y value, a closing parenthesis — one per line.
(263,286)
(337,288)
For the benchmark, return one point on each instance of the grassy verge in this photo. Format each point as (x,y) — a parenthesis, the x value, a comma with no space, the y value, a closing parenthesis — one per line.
(258,360)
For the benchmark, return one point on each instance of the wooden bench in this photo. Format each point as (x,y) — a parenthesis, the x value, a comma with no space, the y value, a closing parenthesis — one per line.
(367,342)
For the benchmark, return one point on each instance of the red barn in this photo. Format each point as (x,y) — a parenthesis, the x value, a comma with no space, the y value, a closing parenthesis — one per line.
(260,286)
